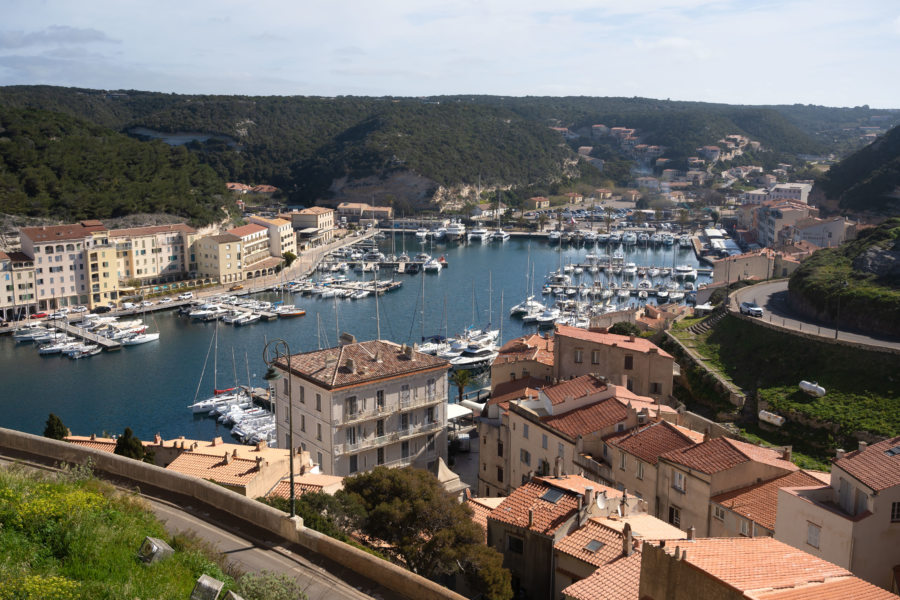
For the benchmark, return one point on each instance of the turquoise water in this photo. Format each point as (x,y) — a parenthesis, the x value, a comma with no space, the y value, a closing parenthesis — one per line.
(148,387)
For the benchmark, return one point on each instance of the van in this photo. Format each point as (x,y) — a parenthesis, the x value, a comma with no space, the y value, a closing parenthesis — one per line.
(185,295)
(128,305)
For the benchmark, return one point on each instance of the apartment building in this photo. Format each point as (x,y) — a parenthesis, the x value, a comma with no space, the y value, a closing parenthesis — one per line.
(798,192)
(854,520)
(17,286)
(256,258)
(825,233)
(524,357)
(364,404)
(281,235)
(219,257)
(314,226)
(757,264)
(154,254)
(357,211)
(774,216)
(633,362)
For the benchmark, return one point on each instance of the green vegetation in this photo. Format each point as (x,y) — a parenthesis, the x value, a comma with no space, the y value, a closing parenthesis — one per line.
(54,165)
(461,378)
(855,283)
(867,180)
(71,537)
(625,328)
(130,446)
(55,428)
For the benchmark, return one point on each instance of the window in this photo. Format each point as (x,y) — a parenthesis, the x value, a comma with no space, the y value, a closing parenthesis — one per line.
(544,441)
(678,481)
(516,545)
(404,449)
(640,470)
(500,474)
(319,431)
(812,534)
(578,354)
(352,408)
(319,458)
(719,513)
(656,388)
(499,449)
(623,461)
(430,389)
(745,527)
(629,362)
(525,431)
(302,395)
(595,357)
(354,465)
(380,456)
(404,394)
(319,402)
(560,450)
(379,400)
(429,415)
(895,512)
(675,516)
(525,456)
(302,422)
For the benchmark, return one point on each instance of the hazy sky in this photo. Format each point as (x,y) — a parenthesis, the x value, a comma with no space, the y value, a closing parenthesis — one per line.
(837,53)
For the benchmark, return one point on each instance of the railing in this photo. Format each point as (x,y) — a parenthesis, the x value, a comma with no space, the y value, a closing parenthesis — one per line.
(589,464)
(416,402)
(362,415)
(383,440)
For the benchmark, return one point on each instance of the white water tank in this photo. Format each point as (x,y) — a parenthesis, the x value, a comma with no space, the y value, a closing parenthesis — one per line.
(812,388)
(771,418)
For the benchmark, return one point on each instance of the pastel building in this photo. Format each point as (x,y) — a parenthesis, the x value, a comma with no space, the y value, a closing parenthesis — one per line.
(17,291)
(154,254)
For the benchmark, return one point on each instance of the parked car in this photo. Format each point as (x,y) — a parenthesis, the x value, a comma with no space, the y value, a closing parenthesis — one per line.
(185,295)
(101,309)
(79,309)
(750,308)
(146,303)
(165,300)
(235,287)
(127,305)
(38,315)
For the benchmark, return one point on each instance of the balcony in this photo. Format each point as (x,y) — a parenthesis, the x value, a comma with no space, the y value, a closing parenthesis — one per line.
(592,465)
(384,440)
(362,415)
(410,402)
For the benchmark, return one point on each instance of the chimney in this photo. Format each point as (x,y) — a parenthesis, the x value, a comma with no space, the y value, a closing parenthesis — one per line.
(706,434)
(863,446)
(93,436)
(227,459)
(259,463)
(839,454)
(261,445)
(346,339)
(410,353)
(624,502)
(557,467)
(194,446)
(351,365)
(588,495)
(630,338)
(530,518)
(627,540)
(786,453)
(217,441)
(157,439)
(691,532)
(234,453)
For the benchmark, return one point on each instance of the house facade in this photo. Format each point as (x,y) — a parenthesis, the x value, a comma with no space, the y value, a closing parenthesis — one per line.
(219,256)
(281,235)
(17,286)
(154,254)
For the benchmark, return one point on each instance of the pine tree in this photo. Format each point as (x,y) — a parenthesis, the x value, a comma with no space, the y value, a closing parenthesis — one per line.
(55,428)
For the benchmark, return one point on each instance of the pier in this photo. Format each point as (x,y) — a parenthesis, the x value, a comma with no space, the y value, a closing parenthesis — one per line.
(107,344)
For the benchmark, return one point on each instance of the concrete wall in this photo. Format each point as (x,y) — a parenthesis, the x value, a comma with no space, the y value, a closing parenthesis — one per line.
(795,513)
(240,508)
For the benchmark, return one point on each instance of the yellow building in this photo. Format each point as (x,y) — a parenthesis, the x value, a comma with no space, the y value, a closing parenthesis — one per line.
(219,256)
(101,269)
(154,254)
(281,235)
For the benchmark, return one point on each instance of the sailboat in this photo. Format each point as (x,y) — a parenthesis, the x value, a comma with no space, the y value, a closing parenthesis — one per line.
(141,336)
(221,398)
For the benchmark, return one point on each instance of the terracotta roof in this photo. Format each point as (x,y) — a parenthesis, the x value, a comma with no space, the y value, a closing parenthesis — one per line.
(234,186)
(278,221)
(372,360)
(264,189)
(98,443)
(246,230)
(844,588)
(721,454)
(636,344)
(588,419)
(481,508)
(73,231)
(306,483)
(235,472)
(517,389)
(760,502)
(217,447)
(576,544)
(873,466)
(151,230)
(224,238)
(653,440)
(316,210)
(579,387)
(18,257)
(548,516)
(760,563)
(528,347)
(617,580)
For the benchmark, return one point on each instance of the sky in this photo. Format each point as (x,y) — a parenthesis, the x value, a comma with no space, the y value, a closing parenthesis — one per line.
(834,53)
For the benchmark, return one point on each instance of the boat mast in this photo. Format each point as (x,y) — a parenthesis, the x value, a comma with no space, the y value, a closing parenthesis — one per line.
(377,313)
(500,337)
(423,305)
(490,297)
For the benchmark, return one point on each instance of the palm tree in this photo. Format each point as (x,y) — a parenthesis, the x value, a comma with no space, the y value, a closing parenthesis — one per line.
(683,218)
(542,221)
(461,379)
(608,218)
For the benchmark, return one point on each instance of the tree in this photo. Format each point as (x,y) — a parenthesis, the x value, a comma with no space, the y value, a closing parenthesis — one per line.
(461,379)
(683,218)
(55,428)
(130,445)
(607,217)
(542,220)
(639,217)
(289,258)
(715,216)
(625,328)
(270,586)
(428,528)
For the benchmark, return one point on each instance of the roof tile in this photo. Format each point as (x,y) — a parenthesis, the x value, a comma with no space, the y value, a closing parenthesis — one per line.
(588,419)
(721,454)
(872,466)
(760,502)
(616,580)
(658,438)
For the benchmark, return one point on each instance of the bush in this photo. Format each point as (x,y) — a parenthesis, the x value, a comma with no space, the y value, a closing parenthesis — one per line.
(269,586)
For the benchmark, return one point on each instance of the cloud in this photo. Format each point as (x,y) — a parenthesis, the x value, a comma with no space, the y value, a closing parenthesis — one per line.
(55,35)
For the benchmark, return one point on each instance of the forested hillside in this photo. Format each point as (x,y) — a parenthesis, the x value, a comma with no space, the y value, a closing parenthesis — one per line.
(869,179)
(53,165)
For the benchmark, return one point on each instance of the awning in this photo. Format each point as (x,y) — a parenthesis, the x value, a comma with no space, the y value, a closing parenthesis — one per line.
(455,411)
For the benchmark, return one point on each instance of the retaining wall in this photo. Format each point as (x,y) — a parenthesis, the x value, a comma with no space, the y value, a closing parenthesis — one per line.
(240,507)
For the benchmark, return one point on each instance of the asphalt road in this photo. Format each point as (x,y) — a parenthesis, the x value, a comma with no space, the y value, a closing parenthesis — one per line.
(772,297)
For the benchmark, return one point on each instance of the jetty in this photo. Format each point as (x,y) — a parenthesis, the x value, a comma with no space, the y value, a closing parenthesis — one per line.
(107,344)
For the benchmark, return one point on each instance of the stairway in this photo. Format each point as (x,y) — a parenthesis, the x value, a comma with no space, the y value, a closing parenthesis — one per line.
(709,322)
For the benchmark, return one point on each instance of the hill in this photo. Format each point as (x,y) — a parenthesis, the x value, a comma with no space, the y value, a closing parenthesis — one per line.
(867,181)
(54,165)
(857,283)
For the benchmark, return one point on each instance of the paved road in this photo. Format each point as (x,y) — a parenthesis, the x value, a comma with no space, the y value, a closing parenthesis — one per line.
(772,297)
(251,549)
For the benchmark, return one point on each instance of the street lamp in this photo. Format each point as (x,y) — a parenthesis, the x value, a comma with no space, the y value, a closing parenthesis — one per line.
(837,317)
(280,349)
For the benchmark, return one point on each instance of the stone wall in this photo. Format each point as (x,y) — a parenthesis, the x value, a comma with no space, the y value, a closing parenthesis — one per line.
(240,508)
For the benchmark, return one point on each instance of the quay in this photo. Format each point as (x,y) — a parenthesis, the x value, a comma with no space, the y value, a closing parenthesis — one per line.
(107,344)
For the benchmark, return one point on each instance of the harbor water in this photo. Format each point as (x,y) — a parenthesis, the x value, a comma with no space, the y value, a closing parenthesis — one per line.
(148,387)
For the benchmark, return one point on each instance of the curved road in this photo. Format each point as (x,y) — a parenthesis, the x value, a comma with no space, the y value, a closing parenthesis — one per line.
(772,297)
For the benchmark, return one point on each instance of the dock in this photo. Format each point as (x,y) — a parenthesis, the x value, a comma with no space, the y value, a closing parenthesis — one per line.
(107,344)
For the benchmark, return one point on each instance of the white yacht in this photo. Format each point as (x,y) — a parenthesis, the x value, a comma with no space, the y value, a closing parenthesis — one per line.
(433,265)
(139,338)
(479,233)
(668,239)
(421,234)
(554,236)
(499,236)
(548,317)
(629,270)
(602,238)
(529,305)
(630,238)
(456,230)
(474,357)
(685,272)
(684,241)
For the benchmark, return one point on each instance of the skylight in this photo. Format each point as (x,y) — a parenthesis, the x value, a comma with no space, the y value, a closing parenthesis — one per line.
(594,545)
(893,451)
(553,495)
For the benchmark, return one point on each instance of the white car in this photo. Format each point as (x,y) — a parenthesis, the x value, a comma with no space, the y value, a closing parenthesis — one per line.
(185,295)
(146,303)
(750,308)
(79,309)
(165,300)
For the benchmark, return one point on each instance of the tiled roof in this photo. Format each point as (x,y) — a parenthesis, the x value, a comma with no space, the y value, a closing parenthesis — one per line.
(481,508)
(617,580)
(308,482)
(19,257)
(872,466)
(588,419)
(218,447)
(517,389)
(548,516)
(658,438)
(235,472)
(575,544)
(246,230)
(721,454)
(372,360)
(232,185)
(760,563)
(316,210)
(635,344)
(98,443)
(224,238)
(575,388)
(760,502)
(529,347)
(73,231)
(845,588)
(152,229)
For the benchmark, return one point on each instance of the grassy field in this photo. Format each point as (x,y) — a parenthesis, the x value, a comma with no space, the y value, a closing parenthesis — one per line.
(863,388)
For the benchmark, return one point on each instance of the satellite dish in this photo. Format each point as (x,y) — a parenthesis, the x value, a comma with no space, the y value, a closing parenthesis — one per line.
(601,501)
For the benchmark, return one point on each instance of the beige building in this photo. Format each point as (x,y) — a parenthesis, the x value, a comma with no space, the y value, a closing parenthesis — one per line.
(689,477)
(772,217)
(357,211)
(855,520)
(17,288)
(633,362)
(219,256)
(365,404)
(537,202)
(314,226)
(101,269)
(524,357)
(281,235)
(256,257)
(154,254)
(825,233)
(759,264)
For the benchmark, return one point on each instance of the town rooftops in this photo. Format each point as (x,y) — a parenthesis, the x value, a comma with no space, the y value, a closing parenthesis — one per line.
(517,389)
(217,447)
(528,347)
(588,419)
(579,387)
(224,469)
(360,362)
(224,238)
(838,589)
(481,508)
(238,187)
(307,483)
(152,229)
(619,579)
(245,230)
(593,543)
(632,343)
(264,189)
(649,442)
(316,210)
(759,502)
(276,222)
(548,502)
(877,466)
(73,231)
(721,454)
(16,257)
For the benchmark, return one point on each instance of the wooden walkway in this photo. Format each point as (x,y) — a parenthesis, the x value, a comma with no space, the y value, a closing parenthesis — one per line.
(105,343)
